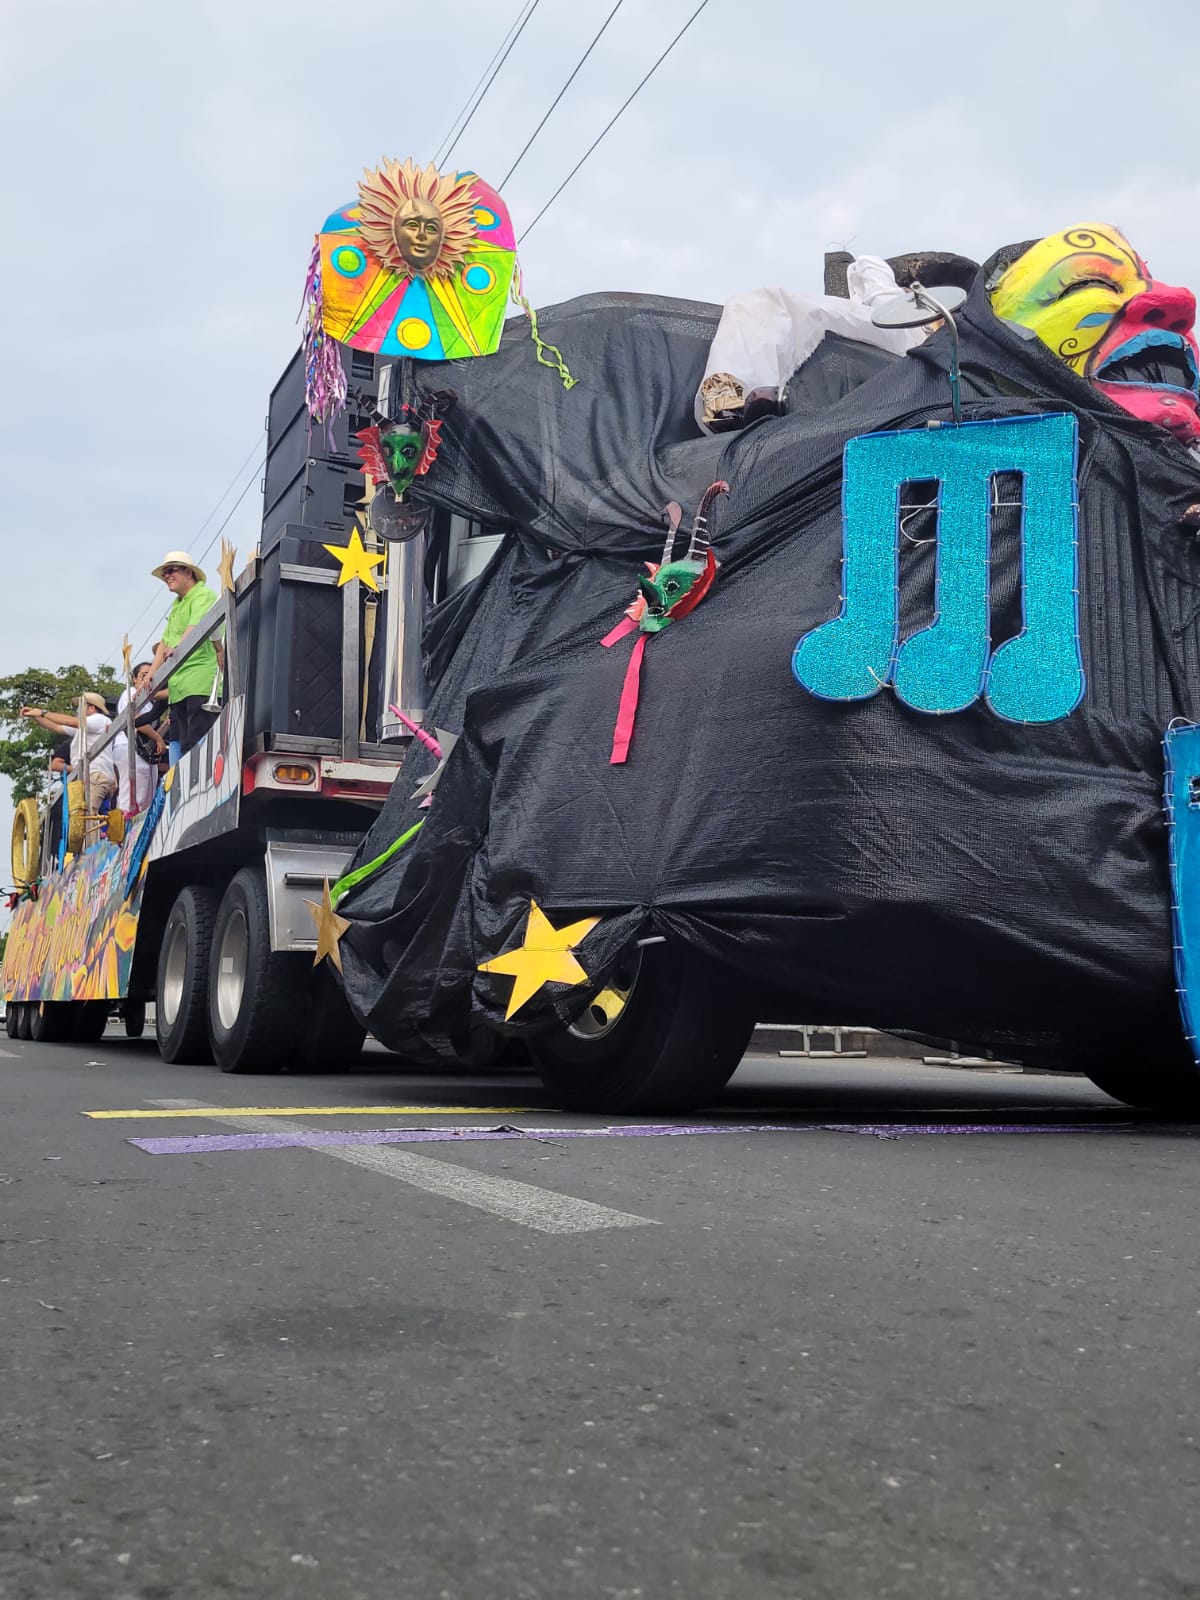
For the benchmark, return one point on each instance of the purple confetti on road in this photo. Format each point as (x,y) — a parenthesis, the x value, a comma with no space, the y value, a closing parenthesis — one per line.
(199,1144)
(319,1139)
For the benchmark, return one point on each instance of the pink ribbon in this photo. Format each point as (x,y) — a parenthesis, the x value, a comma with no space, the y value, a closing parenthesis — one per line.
(627,710)
(624,627)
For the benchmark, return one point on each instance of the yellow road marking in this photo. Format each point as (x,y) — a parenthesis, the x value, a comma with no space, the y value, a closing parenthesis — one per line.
(321,1111)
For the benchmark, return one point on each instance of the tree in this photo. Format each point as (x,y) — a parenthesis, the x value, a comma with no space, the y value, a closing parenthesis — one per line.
(25,750)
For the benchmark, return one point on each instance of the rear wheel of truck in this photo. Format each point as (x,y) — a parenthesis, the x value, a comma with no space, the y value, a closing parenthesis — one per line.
(11,1017)
(51,1021)
(665,1036)
(133,1014)
(89,1021)
(181,996)
(24,1019)
(1174,1090)
(257,996)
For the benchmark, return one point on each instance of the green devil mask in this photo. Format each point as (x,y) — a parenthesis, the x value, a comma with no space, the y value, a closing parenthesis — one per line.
(666,592)
(402,450)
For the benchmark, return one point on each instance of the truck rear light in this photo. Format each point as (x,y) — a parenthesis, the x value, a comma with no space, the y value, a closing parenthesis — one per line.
(293,772)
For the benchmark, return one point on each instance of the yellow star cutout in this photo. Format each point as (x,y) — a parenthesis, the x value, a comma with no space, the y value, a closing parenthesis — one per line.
(126,658)
(546,955)
(330,928)
(225,565)
(357,562)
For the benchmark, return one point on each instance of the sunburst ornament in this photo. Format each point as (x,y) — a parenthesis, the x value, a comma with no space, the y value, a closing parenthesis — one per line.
(545,955)
(415,220)
(422,263)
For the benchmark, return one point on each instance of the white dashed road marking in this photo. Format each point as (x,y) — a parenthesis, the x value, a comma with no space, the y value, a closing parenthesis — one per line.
(523,1203)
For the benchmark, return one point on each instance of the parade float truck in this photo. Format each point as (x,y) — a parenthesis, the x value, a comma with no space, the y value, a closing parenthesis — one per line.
(865,708)
(200,903)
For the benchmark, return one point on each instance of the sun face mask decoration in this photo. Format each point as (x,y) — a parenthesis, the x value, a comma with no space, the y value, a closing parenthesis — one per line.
(422,264)
(1090,298)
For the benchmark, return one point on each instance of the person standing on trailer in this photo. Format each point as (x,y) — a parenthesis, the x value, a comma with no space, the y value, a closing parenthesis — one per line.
(147,716)
(102,775)
(192,683)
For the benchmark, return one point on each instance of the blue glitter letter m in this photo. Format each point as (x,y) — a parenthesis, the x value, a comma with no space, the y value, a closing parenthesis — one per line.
(1036,676)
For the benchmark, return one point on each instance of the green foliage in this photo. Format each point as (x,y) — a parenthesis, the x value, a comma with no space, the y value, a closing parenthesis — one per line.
(24,747)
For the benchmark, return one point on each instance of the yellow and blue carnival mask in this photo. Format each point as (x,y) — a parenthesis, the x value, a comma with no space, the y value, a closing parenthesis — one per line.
(1090,298)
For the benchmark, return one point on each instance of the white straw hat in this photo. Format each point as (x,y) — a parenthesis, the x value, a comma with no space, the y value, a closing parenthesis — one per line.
(178,558)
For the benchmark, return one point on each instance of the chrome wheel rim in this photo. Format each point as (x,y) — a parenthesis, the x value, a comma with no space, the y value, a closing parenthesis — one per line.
(231,968)
(174,973)
(605,1010)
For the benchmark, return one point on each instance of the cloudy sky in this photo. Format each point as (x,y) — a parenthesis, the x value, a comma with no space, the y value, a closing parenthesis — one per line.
(166,165)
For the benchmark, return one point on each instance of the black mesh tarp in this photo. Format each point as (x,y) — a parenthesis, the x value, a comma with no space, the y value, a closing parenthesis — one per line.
(954,877)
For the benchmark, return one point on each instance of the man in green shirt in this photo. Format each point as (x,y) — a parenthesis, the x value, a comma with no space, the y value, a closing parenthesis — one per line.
(191,684)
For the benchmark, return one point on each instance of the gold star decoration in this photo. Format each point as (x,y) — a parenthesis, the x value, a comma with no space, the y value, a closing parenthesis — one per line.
(546,955)
(225,565)
(127,658)
(330,928)
(357,562)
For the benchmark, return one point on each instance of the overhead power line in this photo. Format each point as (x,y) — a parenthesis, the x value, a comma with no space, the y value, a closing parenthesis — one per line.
(491,79)
(613,120)
(255,447)
(461,112)
(154,601)
(596,40)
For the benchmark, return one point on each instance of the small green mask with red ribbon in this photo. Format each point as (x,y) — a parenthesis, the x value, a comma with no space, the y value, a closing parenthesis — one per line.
(671,590)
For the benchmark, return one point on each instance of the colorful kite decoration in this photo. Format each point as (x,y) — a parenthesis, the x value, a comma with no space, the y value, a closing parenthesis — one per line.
(672,590)
(422,264)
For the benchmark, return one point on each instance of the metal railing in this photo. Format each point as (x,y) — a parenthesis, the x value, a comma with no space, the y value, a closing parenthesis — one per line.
(218,617)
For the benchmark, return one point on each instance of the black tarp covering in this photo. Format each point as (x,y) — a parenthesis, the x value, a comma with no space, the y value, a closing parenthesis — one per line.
(953,877)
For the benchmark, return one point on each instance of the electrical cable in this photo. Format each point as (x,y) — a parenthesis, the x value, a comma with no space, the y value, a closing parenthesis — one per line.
(524,21)
(246,487)
(257,445)
(561,92)
(449,133)
(620,112)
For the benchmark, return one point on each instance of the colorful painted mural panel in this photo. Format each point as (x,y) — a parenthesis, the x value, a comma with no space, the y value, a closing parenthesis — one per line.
(75,941)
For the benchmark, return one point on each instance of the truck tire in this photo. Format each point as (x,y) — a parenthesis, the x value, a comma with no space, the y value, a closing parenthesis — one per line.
(332,1040)
(51,1021)
(671,1045)
(1173,1090)
(257,997)
(181,995)
(24,1019)
(12,1016)
(76,815)
(26,844)
(89,1021)
(133,1014)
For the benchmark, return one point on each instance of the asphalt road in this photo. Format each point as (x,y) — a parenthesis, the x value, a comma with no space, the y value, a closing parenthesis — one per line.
(812,1362)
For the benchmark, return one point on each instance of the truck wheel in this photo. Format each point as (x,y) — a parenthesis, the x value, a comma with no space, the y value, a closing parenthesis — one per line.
(331,1041)
(257,996)
(51,1021)
(12,1015)
(181,996)
(134,1014)
(24,1019)
(89,1021)
(1173,1089)
(666,1035)
(26,844)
